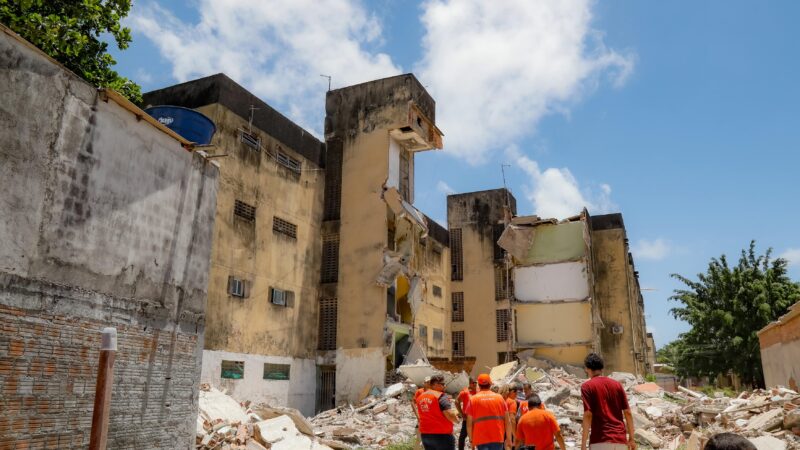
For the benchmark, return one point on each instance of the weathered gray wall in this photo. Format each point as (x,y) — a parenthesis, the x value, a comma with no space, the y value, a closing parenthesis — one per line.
(106,221)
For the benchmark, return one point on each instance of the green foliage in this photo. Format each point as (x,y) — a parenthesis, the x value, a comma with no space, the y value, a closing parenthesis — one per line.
(70,30)
(650,378)
(711,390)
(726,307)
(406,445)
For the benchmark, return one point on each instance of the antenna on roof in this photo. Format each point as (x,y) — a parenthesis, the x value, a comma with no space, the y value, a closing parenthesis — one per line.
(503,171)
(329,80)
(250,123)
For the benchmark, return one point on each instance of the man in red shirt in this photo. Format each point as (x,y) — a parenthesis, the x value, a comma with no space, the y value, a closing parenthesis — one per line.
(461,405)
(436,417)
(537,427)
(488,421)
(604,406)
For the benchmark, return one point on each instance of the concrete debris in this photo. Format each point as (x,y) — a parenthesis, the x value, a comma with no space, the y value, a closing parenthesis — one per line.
(663,420)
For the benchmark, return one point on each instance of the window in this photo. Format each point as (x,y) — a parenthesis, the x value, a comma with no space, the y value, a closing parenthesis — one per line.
(437,291)
(245,211)
(503,317)
(458,306)
(456,258)
(276,371)
(250,140)
(237,287)
(502,283)
(458,343)
(423,332)
(290,163)
(333,181)
(284,227)
(438,336)
(504,357)
(327,323)
(281,297)
(233,370)
(330,258)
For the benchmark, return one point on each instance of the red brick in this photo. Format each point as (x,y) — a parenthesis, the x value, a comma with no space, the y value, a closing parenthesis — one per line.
(16,348)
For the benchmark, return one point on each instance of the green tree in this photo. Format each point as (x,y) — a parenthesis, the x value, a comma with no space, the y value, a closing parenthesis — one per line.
(726,307)
(669,353)
(70,32)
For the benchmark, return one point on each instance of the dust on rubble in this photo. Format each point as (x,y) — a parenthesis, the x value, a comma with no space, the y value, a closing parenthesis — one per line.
(664,420)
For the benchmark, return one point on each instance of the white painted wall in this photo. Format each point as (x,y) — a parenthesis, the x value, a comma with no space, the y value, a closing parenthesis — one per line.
(298,392)
(551,282)
(393,179)
(357,367)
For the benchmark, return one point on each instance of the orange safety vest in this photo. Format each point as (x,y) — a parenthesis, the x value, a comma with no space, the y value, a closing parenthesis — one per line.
(488,411)
(431,417)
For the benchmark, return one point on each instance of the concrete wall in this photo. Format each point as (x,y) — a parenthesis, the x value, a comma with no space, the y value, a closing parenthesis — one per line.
(475,214)
(619,302)
(297,392)
(554,324)
(107,221)
(780,350)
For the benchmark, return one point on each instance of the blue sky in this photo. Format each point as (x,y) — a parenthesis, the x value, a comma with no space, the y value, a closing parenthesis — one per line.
(681,115)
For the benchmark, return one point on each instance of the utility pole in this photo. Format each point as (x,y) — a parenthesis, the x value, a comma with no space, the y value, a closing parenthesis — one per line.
(329,81)
(102,391)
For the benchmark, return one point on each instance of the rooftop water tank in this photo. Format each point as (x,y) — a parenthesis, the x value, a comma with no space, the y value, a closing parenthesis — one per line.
(190,124)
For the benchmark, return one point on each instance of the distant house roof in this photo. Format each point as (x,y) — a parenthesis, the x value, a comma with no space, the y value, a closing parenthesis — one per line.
(223,90)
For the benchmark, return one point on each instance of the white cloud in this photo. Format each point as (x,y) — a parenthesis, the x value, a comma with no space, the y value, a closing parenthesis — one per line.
(276,49)
(792,255)
(444,188)
(496,68)
(554,192)
(653,250)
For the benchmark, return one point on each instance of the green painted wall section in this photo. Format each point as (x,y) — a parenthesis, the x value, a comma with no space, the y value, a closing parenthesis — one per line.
(556,243)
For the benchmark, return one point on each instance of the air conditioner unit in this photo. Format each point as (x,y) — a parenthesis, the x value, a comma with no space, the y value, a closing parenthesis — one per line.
(616,329)
(278,297)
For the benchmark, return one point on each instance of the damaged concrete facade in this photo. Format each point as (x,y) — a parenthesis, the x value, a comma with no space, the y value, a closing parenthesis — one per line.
(107,222)
(261,331)
(480,286)
(387,262)
(780,350)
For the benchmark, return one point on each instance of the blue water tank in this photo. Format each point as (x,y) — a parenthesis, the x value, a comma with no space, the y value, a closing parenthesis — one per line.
(190,124)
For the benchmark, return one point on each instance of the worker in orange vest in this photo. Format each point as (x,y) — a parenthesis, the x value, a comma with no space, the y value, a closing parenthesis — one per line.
(488,421)
(511,403)
(537,428)
(436,417)
(461,405)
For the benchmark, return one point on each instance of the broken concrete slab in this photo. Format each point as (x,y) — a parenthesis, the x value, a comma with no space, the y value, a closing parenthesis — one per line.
(215,405)
(648,389)
(502,371)
(766,421)
(280,433)
(648,437)
(768,443)
(300,422)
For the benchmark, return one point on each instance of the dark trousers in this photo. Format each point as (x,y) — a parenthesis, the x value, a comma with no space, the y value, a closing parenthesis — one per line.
(462,436)
(438,441)
(492,446)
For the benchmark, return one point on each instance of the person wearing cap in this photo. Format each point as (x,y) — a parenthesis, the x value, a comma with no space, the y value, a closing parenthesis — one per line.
(537,427)
(461,405)
(488,420)
(436,416)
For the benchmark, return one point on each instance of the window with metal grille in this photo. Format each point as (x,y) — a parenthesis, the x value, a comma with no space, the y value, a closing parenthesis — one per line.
(327,323)
(237,287)
(245,211)
(276,371)
(502,283)
(503,318)
(423,332)
(330,258)
(458,343)
(233,370)
(284,227)
(456,256)
(438,336)
(280,297)
(437,291)
(287,161)
(333,181)
(497,231)
(250,140)
(458,306)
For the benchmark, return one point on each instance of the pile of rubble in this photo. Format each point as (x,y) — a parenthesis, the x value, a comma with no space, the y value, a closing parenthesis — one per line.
(225,424)
(664,420)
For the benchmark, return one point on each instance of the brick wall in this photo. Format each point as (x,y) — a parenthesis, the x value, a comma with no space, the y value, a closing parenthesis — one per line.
(106,221)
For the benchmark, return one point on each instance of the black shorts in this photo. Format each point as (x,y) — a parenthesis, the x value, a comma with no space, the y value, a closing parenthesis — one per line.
(438,441)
